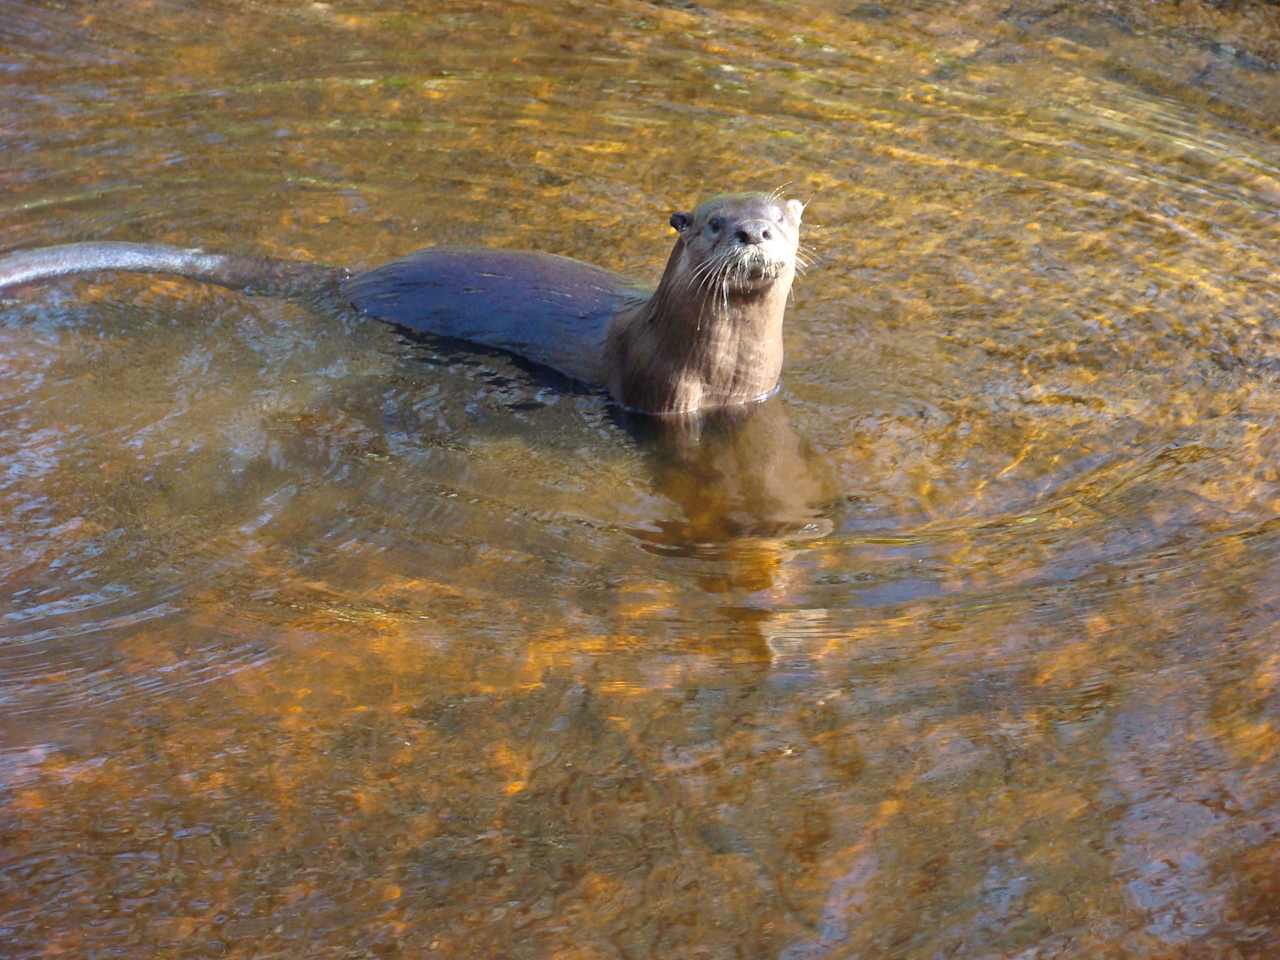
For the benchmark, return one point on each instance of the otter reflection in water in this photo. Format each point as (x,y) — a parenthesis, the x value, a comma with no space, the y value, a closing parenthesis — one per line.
(709,336)
(742,472)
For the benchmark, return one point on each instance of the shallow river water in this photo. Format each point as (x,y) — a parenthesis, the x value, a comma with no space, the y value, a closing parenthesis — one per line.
(316,641)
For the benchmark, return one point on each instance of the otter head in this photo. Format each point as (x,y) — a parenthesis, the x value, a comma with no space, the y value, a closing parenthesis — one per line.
(738,244)
(711,335)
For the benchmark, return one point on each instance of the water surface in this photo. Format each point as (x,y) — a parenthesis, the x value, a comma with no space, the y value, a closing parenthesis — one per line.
(315,641)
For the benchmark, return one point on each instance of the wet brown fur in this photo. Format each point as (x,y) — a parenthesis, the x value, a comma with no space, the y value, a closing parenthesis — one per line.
(711,334)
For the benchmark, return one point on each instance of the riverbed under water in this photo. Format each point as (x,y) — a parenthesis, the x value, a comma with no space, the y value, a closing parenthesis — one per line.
(316,641)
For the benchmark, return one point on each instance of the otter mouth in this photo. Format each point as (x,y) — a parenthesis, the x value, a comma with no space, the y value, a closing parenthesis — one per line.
(738,272)
(768,270)
(754,259)
(752,270)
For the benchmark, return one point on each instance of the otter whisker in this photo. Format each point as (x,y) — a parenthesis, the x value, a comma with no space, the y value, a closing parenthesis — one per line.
(708,269)
(706,277)
(695,278)
(704,295)
(712,286)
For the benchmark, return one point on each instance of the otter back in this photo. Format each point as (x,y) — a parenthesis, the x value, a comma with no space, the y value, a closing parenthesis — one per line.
(552,310)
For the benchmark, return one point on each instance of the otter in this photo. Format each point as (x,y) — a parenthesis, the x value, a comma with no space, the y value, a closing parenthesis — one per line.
(709,336)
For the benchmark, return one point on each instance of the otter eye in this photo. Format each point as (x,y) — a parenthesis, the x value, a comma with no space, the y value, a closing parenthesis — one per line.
(715,223)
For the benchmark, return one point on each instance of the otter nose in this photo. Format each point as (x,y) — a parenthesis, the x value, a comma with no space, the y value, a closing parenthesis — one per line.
(752,232)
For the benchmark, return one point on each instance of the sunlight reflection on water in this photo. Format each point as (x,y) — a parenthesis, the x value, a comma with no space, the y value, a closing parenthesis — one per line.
(319,641)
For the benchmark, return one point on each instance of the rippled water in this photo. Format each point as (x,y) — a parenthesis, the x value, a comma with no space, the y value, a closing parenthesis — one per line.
(315,641)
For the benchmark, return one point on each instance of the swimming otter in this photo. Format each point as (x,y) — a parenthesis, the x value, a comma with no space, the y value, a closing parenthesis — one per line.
(709,336)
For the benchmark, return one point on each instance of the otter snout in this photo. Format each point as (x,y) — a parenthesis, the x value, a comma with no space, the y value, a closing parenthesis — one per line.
(753,232)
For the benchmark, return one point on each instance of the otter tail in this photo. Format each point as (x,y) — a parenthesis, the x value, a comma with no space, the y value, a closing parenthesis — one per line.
(255,274)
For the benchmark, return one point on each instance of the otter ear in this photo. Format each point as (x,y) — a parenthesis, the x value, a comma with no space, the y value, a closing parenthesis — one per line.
(794,209)
(681,221)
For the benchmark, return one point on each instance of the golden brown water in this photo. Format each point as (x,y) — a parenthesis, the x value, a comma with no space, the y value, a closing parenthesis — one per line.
(319,643)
